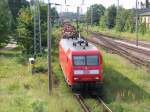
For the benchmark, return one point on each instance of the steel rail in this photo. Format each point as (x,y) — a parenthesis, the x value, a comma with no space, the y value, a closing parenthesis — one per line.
(120,51)
(137,49)
(82,103)
(105,107)
(123,50)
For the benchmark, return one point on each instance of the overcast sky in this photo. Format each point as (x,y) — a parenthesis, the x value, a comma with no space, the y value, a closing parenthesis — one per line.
(125,3)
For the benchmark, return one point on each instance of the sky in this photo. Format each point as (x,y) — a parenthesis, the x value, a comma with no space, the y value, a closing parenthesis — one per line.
(74,3)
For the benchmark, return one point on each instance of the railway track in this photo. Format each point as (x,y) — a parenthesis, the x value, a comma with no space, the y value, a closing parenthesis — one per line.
(141,43)
(104,106)
(81,101)
(86,107)
(121,50)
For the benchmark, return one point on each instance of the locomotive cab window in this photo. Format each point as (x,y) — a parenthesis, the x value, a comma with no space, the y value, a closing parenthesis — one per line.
(79,60)
(92,60)
(85,60)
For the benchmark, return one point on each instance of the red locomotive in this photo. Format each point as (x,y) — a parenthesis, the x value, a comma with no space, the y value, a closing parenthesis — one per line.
(81,62)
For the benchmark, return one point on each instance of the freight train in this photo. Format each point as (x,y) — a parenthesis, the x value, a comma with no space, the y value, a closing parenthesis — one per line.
(81,61)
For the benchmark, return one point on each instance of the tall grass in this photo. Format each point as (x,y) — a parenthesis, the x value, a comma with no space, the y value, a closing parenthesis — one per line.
(126,86)
(22,92)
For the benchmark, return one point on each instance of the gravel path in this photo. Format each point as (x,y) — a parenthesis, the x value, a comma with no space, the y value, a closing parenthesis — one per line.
(10,46)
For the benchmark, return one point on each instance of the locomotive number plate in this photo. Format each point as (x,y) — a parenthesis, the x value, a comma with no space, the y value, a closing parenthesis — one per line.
(86,71)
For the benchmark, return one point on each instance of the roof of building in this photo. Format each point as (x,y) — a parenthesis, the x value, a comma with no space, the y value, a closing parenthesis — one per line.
(142,12)
(68,43)
(145,14)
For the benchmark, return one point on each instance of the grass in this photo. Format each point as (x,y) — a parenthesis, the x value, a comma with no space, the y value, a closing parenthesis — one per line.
(22,92)
(94,105)
(126,87)
(121,35)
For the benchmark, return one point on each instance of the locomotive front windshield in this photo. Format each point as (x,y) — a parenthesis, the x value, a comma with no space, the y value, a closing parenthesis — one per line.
(91,60)
(79,60)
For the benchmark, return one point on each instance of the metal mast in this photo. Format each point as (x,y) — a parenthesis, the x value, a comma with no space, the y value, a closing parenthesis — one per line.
(37,29)
(117,5)
(137,39)
(78,18)
(49,33)
(91,15)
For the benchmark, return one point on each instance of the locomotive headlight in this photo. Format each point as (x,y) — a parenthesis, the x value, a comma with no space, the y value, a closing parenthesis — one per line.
(78,72)
(97,78)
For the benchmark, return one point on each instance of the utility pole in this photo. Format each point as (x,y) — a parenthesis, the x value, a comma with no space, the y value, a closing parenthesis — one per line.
(66,8)
(49,32)
(87,22)
(40,43)
(78,18)
(117,6)
(61,14)
(91,15)
(137,38)
(37,28)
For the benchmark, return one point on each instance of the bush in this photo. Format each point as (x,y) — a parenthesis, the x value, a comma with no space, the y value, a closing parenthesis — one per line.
(130,22)
(102,22)
(121,18)
(142,28)
(111,16)
(25,28)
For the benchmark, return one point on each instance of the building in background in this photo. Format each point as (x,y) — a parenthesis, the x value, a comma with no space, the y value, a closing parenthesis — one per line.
(144,13)
(145,18)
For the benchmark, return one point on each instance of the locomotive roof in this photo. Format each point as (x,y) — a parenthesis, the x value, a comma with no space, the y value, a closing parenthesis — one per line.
(68,43)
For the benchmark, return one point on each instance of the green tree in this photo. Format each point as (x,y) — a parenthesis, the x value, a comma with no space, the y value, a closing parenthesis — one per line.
(97,12)
(55,15)
(5,22)
(142,28)
(111,16)
(25,30)
(25,27)
(121,18)
(15,6)
(130,21)
(102,22)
